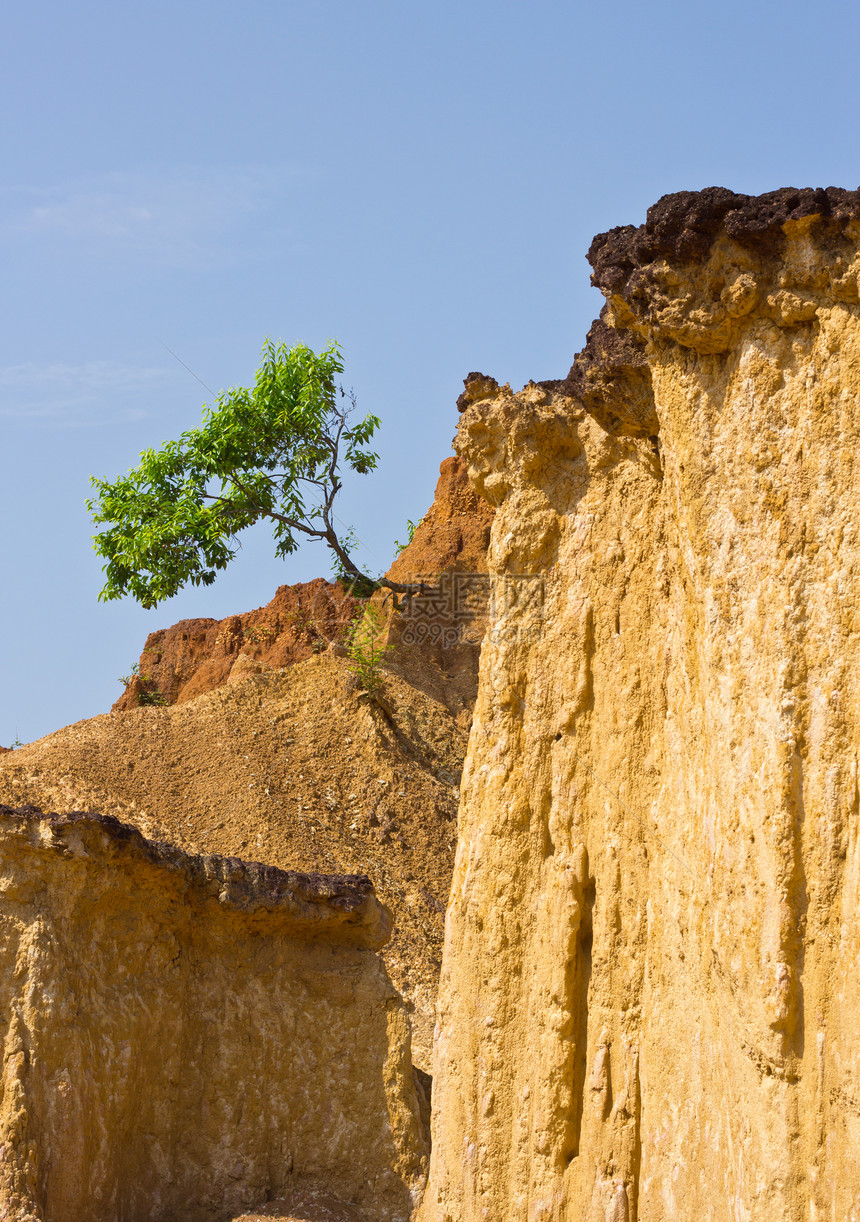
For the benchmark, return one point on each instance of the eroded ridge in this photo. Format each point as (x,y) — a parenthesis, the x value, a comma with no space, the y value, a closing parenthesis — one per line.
(645,1012)
(326,907)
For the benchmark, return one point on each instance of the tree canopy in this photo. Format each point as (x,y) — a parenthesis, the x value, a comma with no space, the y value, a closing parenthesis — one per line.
(271,451)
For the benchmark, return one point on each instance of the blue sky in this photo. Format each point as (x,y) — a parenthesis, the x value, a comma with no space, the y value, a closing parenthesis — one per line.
(419,181)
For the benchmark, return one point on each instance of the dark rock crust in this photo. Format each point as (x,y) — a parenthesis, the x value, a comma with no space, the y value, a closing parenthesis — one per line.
(610,376)
(612,379)
(320,901)
(682,227)
(478,386)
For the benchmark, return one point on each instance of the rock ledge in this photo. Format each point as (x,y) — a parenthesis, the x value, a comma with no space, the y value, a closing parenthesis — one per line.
(333,908)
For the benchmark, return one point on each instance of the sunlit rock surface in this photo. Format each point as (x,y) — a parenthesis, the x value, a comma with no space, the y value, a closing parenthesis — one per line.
(650,1001)
(190,1037)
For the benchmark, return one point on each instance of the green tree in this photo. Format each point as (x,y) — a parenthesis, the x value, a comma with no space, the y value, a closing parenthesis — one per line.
(273,451)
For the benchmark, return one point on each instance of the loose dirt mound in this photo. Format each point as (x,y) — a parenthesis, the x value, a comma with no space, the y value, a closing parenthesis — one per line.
(293,768)
(312,1205)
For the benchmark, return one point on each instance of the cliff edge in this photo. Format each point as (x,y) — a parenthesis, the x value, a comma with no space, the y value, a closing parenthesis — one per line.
(646,1009)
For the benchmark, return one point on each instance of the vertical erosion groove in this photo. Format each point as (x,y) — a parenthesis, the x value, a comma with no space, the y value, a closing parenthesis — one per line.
(578,983)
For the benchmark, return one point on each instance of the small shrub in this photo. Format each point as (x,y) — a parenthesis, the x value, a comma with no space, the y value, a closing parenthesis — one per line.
(365,646)
(151,699)
(411,528)
(259,635)
(300,619)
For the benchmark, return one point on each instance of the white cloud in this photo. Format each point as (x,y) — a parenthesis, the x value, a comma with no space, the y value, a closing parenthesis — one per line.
(95,375)
(82,394)
(172,214)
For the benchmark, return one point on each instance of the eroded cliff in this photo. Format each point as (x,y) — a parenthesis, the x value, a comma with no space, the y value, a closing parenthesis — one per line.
(649,1005)
(186,1037)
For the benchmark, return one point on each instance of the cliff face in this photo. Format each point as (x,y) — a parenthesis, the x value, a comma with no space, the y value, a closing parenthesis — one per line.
(194,656)
(438,636)
(191,1036)
(453,534)
(649,1006)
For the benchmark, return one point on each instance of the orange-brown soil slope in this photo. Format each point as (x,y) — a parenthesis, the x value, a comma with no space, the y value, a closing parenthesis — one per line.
(197,655)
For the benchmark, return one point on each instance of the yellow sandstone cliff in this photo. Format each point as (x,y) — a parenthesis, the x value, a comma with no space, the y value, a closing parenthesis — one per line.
(650,1002)
(186,1037)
